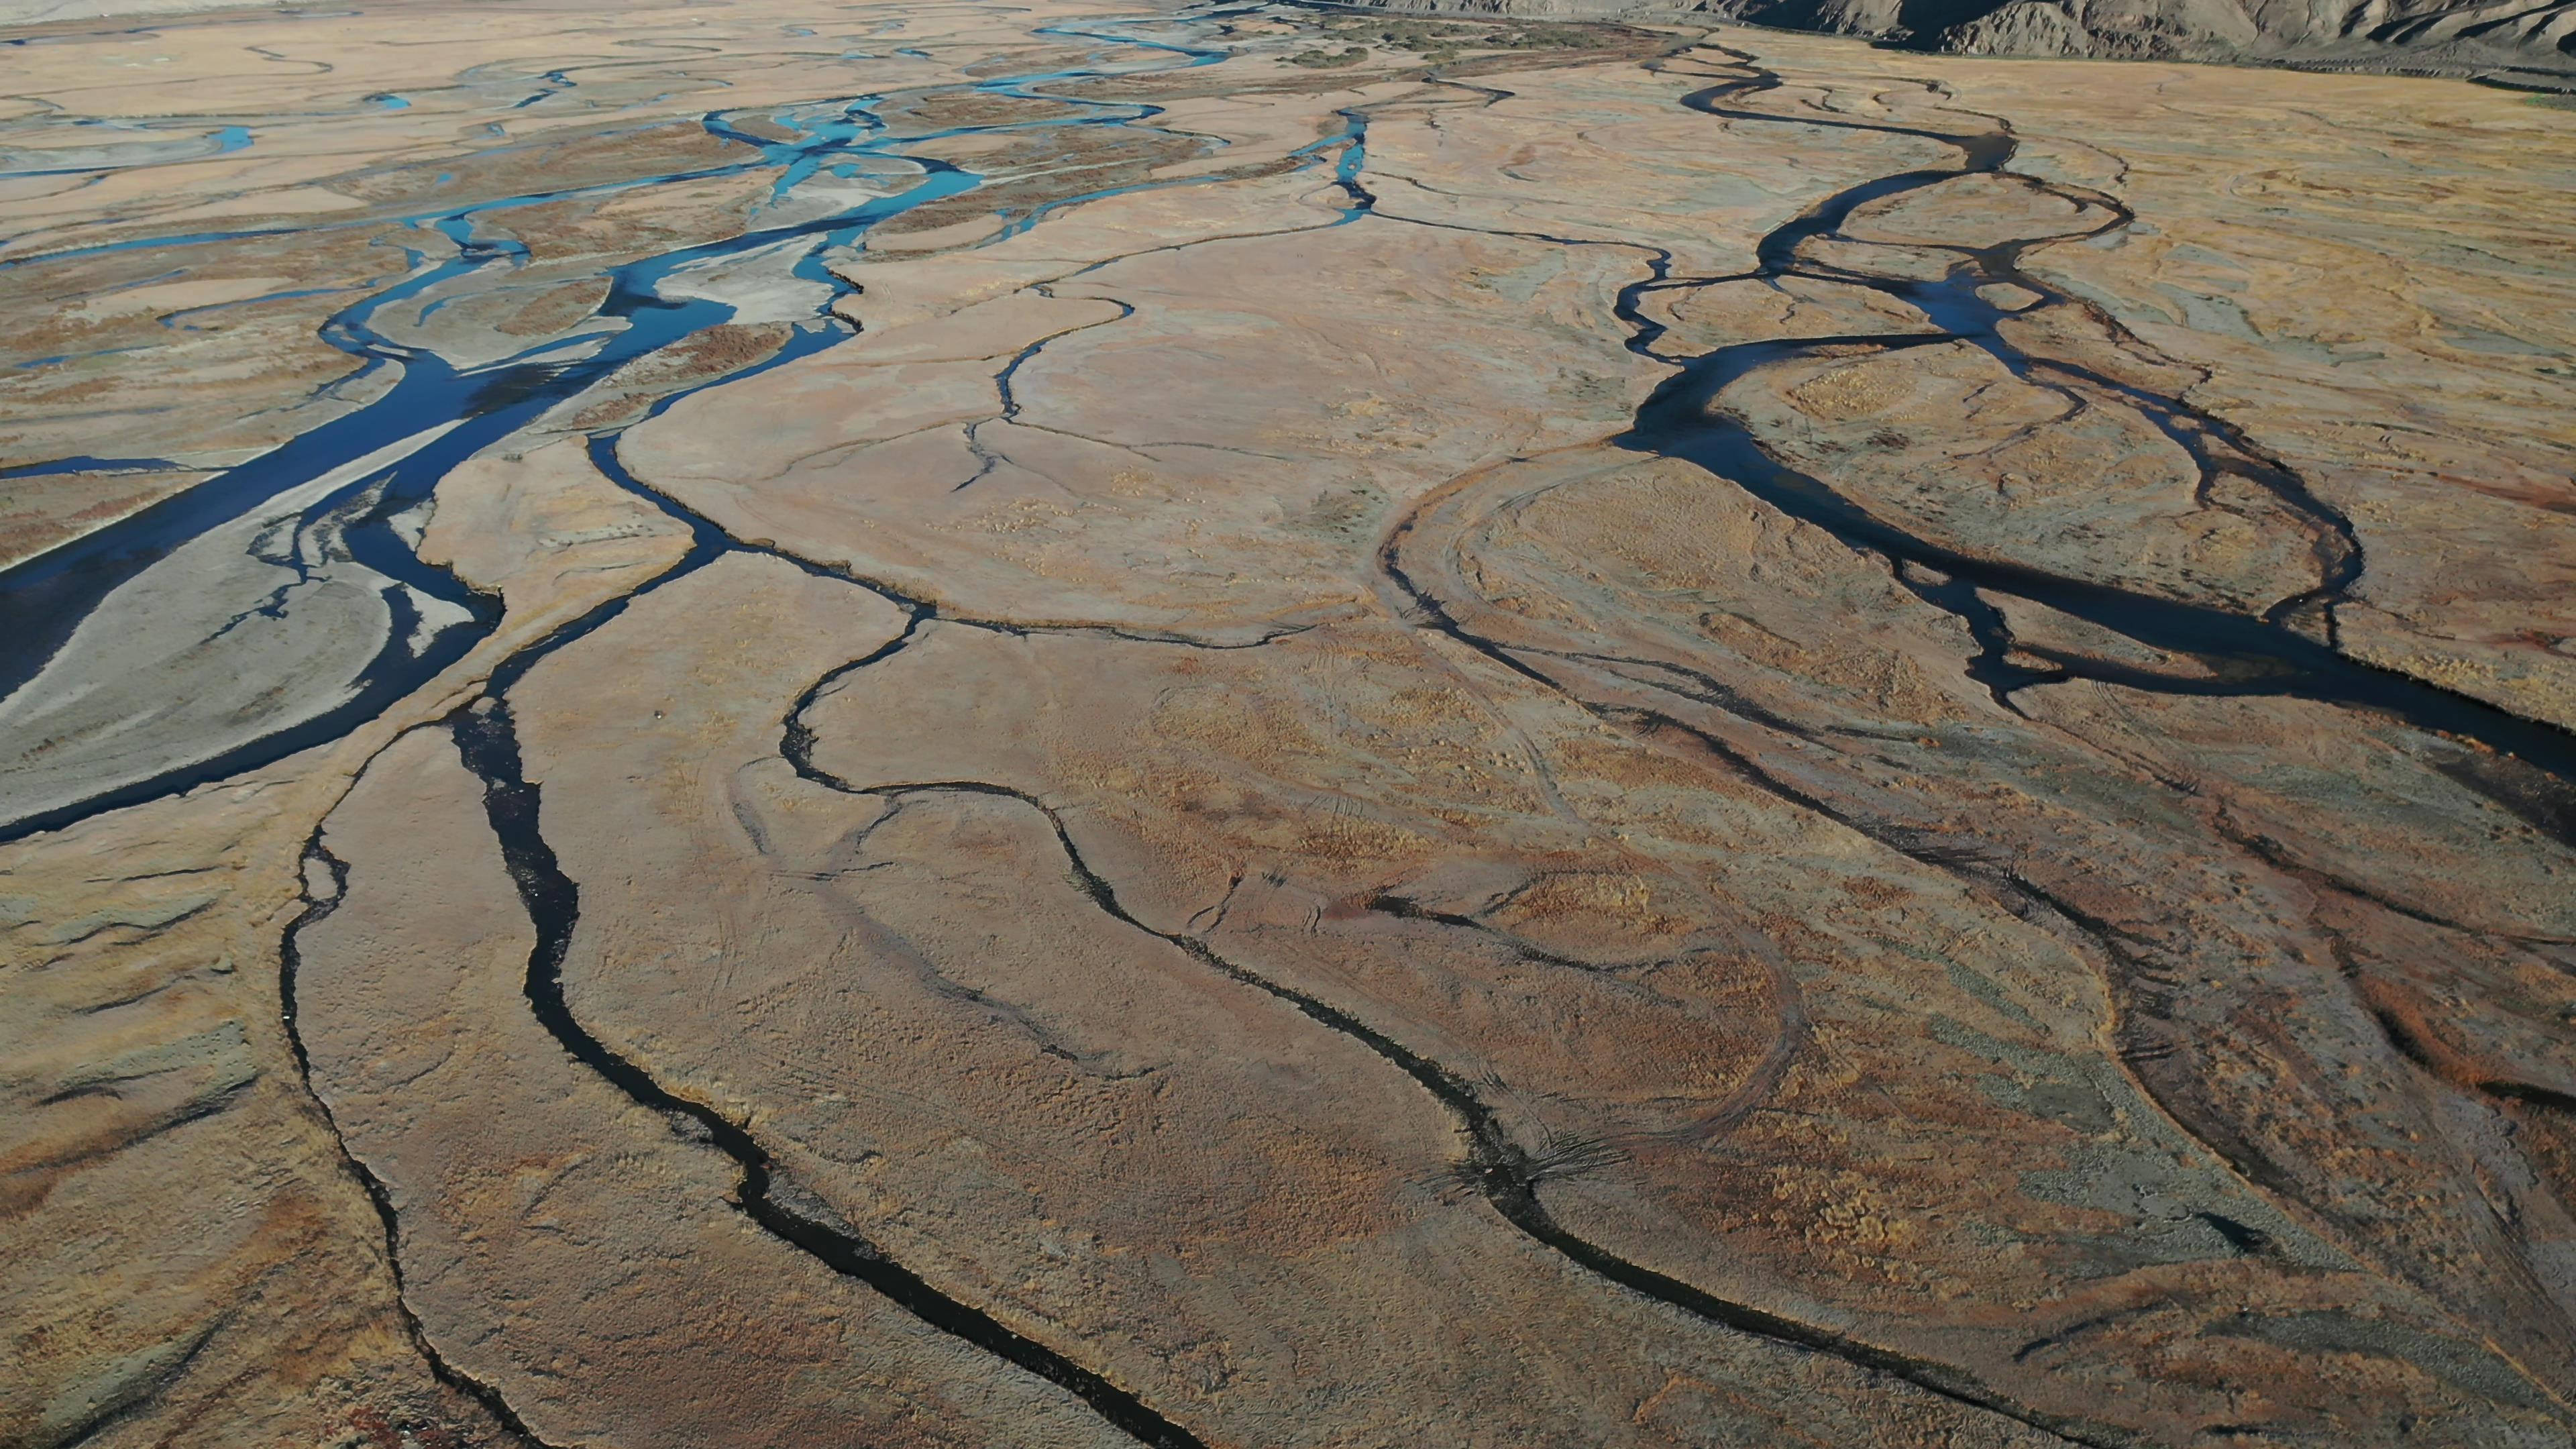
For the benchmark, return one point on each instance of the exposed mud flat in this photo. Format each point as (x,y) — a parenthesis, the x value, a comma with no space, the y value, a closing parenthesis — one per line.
(938,726)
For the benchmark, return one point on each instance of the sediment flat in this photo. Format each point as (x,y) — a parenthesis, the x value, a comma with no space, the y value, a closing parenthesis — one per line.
(928,724)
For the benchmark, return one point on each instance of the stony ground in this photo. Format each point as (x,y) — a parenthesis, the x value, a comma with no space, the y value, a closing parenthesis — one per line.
(1543,736)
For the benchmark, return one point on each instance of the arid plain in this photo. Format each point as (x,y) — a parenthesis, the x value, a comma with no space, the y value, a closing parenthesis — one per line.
(931,723)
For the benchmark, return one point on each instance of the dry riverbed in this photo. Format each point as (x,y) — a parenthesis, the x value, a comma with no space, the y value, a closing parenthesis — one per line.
(919,724)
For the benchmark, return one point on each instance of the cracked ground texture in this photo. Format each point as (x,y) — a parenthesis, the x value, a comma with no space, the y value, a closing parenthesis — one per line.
(1549,736)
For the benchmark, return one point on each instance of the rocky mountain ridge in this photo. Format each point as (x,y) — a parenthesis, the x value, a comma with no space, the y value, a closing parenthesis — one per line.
(2505,42)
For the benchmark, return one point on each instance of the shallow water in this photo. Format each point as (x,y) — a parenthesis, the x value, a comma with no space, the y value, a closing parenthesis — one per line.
(431,619)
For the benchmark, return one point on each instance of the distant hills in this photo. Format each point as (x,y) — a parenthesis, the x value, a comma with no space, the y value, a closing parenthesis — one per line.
(2524,43)
(2529,43)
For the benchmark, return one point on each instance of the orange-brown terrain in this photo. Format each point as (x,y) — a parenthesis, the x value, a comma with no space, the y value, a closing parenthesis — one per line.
(926,723)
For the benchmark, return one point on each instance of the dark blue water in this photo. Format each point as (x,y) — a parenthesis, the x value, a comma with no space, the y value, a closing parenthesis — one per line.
(44,600)
(2289,649)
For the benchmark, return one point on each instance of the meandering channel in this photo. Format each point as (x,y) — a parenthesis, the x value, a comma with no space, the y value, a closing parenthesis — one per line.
(332,499)
(487,743)
(2289,649)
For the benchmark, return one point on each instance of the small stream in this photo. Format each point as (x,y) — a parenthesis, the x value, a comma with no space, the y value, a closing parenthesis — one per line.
(328,509)
(333,506)
(2287,650)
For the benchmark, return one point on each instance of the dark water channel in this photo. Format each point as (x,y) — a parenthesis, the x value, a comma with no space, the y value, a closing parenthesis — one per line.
(438,413)
(2288,650)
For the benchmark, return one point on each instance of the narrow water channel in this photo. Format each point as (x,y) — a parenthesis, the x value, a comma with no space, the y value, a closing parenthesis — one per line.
(295,570)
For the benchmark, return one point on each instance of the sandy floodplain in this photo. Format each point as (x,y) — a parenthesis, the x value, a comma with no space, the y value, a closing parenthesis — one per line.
(927,723)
